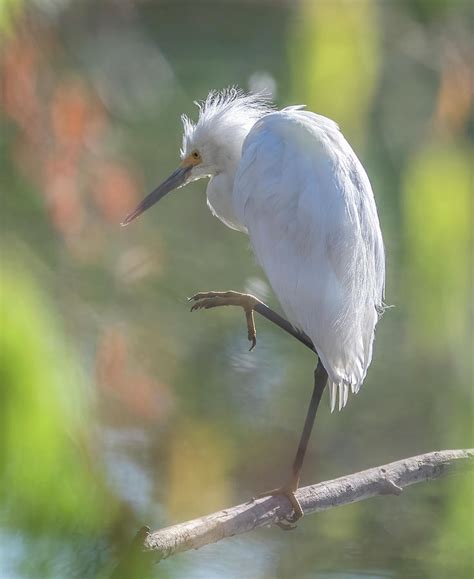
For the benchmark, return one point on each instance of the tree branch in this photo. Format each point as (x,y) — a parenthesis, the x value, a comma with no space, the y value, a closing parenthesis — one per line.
(388,479)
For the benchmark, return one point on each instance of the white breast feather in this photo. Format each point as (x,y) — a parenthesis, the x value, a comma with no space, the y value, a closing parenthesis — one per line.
(310,213)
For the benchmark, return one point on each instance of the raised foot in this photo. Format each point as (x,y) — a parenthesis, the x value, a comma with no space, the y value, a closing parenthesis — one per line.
(207,300)
(288,491)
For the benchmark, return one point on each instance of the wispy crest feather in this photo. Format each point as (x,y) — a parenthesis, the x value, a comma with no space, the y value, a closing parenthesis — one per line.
(226,110)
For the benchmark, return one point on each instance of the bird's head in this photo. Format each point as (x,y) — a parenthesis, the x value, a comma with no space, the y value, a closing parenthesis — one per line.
(213,144)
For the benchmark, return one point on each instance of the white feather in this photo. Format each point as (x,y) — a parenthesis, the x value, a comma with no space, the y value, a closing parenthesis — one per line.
(332,395)
(292,181)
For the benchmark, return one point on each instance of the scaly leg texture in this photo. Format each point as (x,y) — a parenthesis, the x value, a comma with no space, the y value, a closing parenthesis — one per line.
(249,303)
(207,300)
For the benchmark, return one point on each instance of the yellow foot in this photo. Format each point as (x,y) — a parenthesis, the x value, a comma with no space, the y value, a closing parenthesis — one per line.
(288,491)
(207,300)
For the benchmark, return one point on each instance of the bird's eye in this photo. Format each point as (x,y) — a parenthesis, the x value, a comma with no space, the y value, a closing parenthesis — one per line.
(195,155)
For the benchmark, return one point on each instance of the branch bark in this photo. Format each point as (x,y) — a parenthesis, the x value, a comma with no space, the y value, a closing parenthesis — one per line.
(388,479)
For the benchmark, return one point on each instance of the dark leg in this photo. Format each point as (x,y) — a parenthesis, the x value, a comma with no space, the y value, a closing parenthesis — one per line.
(249,303)
(289,489)
(320,381)
(278,320)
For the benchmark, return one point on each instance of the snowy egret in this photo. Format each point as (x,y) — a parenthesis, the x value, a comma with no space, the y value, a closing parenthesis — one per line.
(291,181)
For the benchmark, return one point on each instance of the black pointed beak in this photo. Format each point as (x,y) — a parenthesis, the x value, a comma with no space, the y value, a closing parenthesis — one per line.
(175,180)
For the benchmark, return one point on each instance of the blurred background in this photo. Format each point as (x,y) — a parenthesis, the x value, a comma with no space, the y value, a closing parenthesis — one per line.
(118,407)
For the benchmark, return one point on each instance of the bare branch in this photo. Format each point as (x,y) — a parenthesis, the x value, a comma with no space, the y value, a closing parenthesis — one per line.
(388,479)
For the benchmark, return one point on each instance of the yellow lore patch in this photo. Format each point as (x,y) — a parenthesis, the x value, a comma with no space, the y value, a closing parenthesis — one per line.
(193,159)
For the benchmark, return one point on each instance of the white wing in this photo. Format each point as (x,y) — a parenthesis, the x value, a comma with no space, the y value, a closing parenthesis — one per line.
(310,213)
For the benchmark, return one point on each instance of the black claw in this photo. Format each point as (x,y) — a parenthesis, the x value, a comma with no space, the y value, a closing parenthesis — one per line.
(197,297)
(286,525)
(294,517)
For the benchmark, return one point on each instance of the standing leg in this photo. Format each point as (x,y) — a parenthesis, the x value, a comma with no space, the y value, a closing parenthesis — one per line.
(320,381)
(289,489)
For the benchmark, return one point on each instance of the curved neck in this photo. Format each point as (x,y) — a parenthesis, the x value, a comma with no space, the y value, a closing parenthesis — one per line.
(219,199)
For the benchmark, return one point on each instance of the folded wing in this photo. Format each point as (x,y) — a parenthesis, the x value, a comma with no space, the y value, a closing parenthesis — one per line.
(309,209)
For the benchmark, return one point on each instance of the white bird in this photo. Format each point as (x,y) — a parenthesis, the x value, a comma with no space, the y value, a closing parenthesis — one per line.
(291,181)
